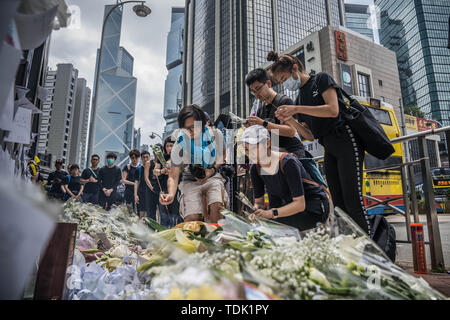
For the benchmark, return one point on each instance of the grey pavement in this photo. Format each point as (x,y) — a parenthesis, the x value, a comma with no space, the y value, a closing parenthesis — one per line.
(404,250)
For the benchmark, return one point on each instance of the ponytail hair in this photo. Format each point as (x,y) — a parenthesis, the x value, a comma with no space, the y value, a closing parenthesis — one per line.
(284,62)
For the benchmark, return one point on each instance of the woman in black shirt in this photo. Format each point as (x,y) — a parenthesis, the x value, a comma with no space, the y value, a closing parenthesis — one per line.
(318,107)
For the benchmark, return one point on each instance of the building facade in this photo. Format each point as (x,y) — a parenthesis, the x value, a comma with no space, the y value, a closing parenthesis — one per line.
(80,124)
(418,32)
(174,65)
(357,18)
(112,119)
(58,112)
(225,39)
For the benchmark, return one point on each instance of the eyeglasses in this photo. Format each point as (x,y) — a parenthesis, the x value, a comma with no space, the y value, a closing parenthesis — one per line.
(256,90)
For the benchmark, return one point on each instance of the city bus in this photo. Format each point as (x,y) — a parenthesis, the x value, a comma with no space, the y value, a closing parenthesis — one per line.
(383,184)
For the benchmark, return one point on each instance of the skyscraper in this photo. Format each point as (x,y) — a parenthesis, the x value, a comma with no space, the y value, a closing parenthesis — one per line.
(80,123)
(174,64)
(357,17)
(56,122)
(225,39)
(112,119)
(417,31)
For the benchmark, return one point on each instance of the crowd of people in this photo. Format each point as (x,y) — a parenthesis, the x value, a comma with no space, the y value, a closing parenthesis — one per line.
(144,179)
(192,186)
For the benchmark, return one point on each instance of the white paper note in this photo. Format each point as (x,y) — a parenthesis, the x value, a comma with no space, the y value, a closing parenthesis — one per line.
(7,111)
(25,103)
(24,232)
(34,29)
(42,93)
(7,12)
(21,129)
(9,61)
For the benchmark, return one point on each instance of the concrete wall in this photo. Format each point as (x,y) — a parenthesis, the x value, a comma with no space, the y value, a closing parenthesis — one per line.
(368,57)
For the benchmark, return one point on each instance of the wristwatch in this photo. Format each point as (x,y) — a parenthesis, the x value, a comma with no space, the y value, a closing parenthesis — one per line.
(275,213)
(265,124)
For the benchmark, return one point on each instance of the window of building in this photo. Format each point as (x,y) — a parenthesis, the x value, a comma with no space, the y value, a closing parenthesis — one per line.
(364,85)
(380,83)
(382,98)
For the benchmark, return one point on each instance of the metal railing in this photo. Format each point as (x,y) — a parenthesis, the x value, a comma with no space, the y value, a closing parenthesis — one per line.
(407,175)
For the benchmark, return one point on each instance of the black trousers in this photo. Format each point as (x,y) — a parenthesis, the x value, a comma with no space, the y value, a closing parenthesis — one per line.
(151,202)
(343,161)
(107,202)
(317,211)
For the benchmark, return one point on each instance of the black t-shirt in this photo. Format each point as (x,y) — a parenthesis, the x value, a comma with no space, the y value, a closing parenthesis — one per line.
(90,187)
(267,112)
(282,187)
(140,176)
(311,95)
(74,183)
(109,178)
(56,187)
(130,177)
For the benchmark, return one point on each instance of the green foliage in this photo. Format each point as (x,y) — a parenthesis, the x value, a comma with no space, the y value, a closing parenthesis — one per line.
(414,111)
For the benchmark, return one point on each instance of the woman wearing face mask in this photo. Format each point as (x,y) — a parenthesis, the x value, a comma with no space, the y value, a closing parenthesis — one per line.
(317,106)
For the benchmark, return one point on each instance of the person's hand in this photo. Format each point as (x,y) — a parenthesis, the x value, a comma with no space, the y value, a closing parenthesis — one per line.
(165,171)
(255,121)
(58,180)
(266,214)
(136,199)
(166,199)
(285,111)
(157,172)
(283,118)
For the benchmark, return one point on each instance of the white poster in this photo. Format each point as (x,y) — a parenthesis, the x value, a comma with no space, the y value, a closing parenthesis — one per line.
(33,29)
(9,61)
(7,111)
(24,231)
(21,128)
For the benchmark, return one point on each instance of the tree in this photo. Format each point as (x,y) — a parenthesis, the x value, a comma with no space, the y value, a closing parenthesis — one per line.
(414,111)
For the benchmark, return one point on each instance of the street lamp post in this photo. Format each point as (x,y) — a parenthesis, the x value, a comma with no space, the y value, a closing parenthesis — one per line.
(141,11)
(154,135)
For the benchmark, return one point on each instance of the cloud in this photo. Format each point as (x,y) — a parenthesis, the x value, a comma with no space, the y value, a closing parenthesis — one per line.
(145,39)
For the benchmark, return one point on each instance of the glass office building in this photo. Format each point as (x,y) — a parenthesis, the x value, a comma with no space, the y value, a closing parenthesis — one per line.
(112,119)
(357,17)
(174,64)
(418,32)
(225,39)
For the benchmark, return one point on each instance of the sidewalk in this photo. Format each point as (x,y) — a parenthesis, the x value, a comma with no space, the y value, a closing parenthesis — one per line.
(438,281)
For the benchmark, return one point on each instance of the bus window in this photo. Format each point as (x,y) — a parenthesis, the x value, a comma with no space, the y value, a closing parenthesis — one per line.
(382,116)
(371,162)
(440,172)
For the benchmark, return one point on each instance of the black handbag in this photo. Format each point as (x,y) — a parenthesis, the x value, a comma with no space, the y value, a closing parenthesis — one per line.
(362,122)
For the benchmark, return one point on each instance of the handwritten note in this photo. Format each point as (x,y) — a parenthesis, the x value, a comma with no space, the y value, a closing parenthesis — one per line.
(21,128)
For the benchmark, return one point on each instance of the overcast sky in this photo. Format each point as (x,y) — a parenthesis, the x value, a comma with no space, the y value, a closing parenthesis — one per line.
(144,38)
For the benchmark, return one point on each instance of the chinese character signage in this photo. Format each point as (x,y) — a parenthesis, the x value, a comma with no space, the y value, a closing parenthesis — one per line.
(341,45)
(423,124)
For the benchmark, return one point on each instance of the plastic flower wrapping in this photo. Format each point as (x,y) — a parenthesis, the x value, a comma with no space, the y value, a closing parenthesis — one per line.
(119,256)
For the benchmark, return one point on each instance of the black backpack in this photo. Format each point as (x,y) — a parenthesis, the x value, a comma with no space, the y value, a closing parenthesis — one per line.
(362,122)
(383,233)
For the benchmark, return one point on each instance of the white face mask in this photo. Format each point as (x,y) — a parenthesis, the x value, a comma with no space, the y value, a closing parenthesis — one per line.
(291,84)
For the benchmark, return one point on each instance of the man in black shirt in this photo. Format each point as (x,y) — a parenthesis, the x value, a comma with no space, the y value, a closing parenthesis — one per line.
(55,180)
(260,85)
(89,178)
(72,183)
(128,173)
(109,178)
